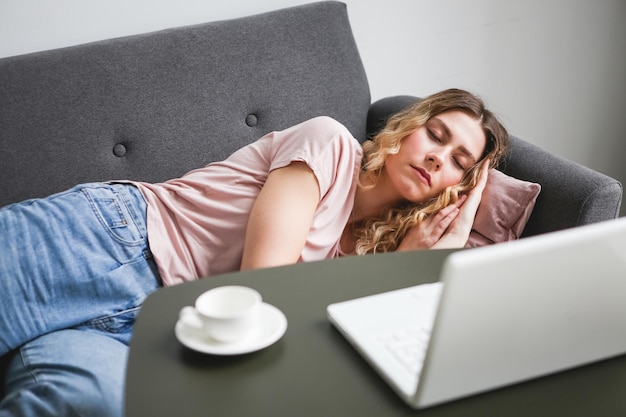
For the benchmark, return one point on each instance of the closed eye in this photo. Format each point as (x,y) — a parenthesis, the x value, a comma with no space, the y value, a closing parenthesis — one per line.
(433,136)
(459,164)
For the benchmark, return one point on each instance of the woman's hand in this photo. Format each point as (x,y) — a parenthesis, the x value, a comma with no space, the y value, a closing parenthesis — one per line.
(432,228)
(451,226)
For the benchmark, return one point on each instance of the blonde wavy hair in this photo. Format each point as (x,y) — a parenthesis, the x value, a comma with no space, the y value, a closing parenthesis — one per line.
(385,233)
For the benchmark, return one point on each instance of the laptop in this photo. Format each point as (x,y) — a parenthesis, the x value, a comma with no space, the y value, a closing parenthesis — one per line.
(498,315)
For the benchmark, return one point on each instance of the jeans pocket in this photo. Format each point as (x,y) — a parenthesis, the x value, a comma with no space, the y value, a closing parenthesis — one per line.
(113,214)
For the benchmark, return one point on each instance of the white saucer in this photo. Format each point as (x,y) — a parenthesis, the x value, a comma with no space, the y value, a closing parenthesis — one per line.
(273,325)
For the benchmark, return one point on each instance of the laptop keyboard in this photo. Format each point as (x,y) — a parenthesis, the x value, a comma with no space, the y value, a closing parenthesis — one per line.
(408,344)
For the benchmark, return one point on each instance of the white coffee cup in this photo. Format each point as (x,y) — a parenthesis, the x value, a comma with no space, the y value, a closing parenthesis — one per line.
(226,314)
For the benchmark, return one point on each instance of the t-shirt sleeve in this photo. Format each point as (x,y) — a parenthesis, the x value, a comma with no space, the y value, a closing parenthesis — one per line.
(324,144)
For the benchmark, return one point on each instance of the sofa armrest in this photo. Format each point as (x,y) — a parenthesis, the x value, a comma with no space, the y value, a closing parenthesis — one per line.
(571,194)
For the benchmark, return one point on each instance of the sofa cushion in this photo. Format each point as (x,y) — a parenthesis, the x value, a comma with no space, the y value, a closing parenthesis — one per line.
(504,210)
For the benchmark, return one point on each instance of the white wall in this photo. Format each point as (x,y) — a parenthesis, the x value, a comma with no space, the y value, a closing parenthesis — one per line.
(554,70)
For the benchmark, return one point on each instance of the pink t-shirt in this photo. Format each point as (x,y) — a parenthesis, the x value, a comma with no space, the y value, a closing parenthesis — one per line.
(197,223)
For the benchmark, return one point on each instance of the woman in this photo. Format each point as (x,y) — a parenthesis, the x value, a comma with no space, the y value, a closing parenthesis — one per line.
(87,258)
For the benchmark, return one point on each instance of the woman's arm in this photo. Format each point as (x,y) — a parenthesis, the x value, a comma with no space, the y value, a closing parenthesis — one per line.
(281,217)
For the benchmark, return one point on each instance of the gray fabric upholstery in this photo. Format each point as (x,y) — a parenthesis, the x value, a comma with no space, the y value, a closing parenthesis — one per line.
(151,107)
(571,194)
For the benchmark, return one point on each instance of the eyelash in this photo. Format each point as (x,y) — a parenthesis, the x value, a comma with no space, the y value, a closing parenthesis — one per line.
(437,140)
(433,136)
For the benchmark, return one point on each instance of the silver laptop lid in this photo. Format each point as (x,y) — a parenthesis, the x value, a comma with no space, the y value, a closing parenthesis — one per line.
(515,311)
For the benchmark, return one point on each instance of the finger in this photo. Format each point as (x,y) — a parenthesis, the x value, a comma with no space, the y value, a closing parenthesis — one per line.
(443,222)
(475,194)
(431,222)
(461,200)
(484,173)
(470,206)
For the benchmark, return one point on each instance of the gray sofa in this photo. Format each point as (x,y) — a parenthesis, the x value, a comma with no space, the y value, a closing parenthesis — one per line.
(154,106)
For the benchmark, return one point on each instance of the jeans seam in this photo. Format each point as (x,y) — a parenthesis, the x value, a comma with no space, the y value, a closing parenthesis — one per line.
(32,371)
(123,199)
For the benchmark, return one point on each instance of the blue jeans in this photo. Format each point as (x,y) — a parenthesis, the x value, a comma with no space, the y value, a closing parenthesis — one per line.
(74,270)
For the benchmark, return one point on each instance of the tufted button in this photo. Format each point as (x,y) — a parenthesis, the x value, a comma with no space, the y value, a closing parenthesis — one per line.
(251,120)
(119,150)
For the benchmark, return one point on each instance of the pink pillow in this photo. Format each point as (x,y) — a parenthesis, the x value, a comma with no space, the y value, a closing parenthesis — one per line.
(504,209)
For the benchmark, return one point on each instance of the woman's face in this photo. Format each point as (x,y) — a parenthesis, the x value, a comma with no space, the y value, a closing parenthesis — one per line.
(435,156)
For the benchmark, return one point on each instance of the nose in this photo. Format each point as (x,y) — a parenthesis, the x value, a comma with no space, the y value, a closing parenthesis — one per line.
(435,161)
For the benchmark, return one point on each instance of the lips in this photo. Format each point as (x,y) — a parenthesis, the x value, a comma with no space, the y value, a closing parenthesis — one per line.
(423,175)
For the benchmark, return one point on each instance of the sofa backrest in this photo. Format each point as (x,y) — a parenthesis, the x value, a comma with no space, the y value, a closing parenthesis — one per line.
(154,106)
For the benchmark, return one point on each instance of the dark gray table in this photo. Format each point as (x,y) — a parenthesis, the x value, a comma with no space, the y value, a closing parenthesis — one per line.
(312,370)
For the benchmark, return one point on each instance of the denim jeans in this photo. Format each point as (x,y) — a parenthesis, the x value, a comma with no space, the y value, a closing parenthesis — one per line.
(80,261)
(66,373)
